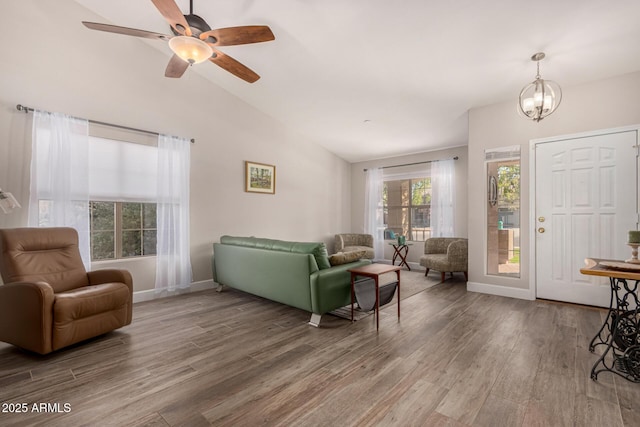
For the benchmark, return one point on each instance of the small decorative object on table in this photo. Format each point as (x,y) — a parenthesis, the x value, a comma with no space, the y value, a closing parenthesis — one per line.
(402,240)
(634,242)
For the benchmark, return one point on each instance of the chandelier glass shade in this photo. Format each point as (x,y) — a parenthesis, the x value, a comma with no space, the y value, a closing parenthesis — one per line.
(190,49)
(539,98)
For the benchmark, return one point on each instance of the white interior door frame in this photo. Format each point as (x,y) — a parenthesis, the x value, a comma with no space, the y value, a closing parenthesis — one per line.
(532,189)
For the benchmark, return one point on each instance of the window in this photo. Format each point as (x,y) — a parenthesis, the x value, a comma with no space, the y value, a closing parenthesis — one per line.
(117,229)
(503,211)
(407,208)
(122,230)
(122,192)
(122,188)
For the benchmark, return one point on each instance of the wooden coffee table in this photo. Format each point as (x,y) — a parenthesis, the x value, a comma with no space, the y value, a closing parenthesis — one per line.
(374,271)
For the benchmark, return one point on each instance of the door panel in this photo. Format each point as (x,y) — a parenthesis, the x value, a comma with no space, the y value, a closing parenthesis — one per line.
(585,204)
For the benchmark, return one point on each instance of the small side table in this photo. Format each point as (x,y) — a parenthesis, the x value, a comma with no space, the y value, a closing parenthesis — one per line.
(620,332)
(374,271)
(401,251)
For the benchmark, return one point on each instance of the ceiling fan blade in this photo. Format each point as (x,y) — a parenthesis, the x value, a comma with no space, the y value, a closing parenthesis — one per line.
(233,66)
(238,35)
(176,67)
(172,13)
(126,31)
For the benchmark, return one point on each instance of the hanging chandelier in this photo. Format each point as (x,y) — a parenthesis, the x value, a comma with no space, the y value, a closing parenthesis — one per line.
(539,98)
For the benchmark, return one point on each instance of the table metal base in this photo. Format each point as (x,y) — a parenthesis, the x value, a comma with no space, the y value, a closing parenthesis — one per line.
(619,334)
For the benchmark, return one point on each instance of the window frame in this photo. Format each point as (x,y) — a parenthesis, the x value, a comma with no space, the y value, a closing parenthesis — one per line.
(410,207)
(508,157)
(118,229)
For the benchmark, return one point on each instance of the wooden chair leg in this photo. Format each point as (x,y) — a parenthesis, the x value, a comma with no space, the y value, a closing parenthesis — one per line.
(442,276)
(426,272)
(466,276)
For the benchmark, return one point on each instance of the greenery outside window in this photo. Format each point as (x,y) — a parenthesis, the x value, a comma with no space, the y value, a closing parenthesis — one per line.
(407,208)
(122,230)
(503,211)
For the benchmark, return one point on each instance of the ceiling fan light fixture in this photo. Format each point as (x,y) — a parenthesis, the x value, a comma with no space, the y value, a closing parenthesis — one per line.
(193,41)
(539,98)
(190,49)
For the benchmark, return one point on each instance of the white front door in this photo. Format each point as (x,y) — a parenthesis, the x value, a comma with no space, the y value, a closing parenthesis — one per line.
(585,204)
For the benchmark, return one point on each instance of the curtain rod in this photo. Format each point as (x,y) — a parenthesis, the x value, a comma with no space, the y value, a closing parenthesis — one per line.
(416,163)
(27,110)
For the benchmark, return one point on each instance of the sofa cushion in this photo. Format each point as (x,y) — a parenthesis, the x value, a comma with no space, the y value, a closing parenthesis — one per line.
(369,252)
(318,250)
(89,311)
(346,257)
(50,255)
(249,242)
(89,300)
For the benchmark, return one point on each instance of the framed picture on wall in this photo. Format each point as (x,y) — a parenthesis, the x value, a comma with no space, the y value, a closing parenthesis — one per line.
(259,178)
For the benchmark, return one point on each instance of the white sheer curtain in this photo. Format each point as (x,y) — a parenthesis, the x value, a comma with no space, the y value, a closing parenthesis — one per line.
(59,176)
(373,213)
(173,261)
(443,198)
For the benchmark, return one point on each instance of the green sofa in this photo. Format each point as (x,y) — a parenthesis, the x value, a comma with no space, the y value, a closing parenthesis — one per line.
(293,273)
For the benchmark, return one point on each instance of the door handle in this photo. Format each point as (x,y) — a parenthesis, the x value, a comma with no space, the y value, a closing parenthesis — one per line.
(541,230)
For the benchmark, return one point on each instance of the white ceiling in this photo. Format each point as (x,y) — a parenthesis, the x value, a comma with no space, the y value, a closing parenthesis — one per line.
(370,79)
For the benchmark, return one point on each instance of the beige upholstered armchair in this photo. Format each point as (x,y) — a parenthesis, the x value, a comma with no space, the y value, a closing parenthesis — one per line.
(446,255)
(355,242)
(48,300)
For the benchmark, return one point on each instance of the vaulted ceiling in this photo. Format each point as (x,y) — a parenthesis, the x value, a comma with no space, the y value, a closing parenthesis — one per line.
(370,78)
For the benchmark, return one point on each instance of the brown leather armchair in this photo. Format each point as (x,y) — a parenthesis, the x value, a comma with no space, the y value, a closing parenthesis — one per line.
(48,300)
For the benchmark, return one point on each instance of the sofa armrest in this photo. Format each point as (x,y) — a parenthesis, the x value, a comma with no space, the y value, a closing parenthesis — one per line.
(337,272)
(110,275)
(458,250)
(26,315)
(457,255)
(331,287)
(213,269)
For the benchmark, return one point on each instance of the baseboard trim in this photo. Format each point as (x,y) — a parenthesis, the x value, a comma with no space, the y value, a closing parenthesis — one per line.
(503,291)
(150,294)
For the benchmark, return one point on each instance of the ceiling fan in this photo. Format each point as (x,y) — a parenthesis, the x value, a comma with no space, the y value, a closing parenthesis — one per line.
(193,41)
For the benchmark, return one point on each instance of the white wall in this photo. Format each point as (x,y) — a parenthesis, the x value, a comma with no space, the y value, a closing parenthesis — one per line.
(603,104)
(51,62)
(358,192)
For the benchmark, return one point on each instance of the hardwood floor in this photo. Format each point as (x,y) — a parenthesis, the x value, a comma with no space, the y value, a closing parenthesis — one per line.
(209,358)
